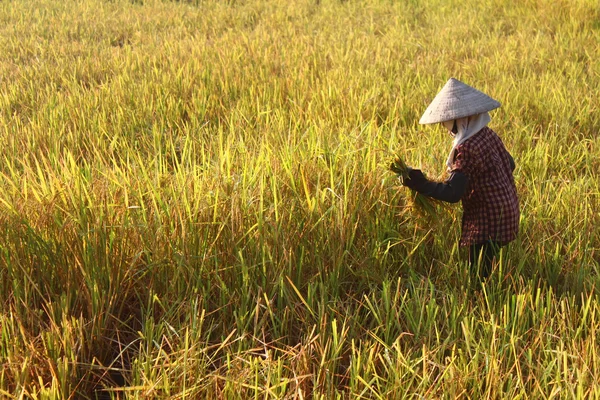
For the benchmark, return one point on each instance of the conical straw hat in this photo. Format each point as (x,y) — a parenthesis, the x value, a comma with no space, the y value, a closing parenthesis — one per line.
(457,100)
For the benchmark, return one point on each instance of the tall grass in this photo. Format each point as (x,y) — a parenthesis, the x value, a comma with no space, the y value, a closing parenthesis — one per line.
(195,201)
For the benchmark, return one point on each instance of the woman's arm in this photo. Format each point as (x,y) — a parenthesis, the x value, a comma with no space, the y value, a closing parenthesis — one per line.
(450,191)
(512,162)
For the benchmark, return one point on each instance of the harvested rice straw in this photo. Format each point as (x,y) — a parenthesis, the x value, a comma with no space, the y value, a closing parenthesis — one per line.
(422,205)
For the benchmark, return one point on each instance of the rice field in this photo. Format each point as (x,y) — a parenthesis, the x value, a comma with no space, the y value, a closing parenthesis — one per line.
(196,202)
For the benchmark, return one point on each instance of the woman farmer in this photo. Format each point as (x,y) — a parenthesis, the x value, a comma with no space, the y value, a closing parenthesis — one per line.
(481,173)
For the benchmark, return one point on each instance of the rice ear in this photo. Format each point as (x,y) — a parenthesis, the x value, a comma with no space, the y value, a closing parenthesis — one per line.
(399,167)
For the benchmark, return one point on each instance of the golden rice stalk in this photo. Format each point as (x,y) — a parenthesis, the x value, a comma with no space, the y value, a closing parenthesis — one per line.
(420,204)
(399,167)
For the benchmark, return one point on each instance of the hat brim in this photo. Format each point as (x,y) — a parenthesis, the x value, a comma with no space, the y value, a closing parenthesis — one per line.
(457,100)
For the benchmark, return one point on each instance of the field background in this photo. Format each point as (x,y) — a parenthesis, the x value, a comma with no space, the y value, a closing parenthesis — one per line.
(195,202)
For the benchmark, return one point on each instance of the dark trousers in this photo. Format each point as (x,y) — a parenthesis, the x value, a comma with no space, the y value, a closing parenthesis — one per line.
(481,259)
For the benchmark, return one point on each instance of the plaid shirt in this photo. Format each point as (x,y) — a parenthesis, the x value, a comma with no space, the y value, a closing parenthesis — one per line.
(490,203)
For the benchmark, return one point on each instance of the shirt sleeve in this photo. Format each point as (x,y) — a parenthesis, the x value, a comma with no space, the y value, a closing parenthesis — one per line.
(450,191)
(466,161)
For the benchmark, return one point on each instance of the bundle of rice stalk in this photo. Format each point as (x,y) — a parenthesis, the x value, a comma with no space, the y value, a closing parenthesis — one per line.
(422,205)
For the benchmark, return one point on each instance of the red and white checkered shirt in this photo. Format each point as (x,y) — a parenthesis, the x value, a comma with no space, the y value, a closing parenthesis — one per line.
(490,203)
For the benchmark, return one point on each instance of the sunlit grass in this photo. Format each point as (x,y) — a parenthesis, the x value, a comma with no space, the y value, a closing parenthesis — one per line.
(195,200)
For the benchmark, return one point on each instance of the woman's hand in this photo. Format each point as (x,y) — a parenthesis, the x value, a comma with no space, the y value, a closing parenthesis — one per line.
(415,179)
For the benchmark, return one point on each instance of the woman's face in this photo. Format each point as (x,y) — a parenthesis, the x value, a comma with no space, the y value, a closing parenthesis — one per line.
(451,127)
